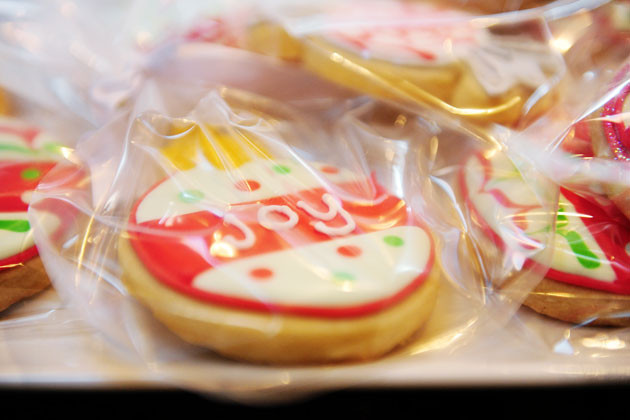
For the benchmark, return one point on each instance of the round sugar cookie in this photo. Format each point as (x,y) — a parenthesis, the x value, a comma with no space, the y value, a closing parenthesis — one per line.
(423,52)
(26,155)
(588,277)
(278,261)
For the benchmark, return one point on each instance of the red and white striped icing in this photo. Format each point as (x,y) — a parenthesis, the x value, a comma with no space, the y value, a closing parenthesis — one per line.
(591,241)
(282,236)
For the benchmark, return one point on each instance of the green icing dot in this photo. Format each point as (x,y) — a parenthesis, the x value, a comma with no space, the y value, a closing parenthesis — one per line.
(282,169)
(393,240)
(343,276)
(30,173)
(190,196)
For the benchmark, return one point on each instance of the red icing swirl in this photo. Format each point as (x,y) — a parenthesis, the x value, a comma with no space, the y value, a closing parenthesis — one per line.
(605,223)
(616,132)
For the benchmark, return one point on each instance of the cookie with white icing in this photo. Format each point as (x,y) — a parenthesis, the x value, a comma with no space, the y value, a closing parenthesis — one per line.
(424,52)
(26,155)
(281,261)
(588,277)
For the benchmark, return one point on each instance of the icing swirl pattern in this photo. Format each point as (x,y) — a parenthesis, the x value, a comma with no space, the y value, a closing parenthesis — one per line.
(591,240)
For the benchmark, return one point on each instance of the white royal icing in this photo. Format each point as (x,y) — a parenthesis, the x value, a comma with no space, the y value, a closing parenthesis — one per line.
(318,275)
(249,239)
(13,243)
(14,148)
(215,189)
(329,200)
(334,209)
(268,222)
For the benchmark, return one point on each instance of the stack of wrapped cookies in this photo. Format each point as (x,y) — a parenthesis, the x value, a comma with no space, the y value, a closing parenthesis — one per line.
(274,188)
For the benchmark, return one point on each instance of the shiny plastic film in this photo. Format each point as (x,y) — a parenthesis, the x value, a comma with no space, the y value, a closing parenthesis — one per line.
(295,196)
(580,148)
(28,151)
(506,68)
(32,145)
(252,232)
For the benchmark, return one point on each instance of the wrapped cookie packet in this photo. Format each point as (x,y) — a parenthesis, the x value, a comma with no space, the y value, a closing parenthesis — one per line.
(29,153)
(264,233)
(290,187)
(423,53)
(579,148)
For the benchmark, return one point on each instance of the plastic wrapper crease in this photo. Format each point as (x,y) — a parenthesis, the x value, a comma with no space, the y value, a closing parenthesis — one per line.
(295,210)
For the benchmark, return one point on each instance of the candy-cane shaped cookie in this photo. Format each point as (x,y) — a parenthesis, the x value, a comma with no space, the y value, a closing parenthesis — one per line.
(26,155)
(281,262)
(423,52)
(588,277)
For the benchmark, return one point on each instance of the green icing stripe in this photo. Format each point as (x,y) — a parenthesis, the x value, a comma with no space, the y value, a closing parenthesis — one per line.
(583,254)
(19,226)
(19,149)
(563,221)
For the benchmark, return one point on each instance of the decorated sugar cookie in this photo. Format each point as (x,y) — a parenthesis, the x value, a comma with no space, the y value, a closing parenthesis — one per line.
(588,276)
(281,261)
(26,155)
(611,139)
(429,53)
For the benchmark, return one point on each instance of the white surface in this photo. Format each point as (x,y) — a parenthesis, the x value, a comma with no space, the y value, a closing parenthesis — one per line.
(44,345)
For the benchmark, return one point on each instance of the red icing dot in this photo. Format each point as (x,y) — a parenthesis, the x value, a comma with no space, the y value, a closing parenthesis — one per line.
(261,273)
(329,169)
(247,185)
(349,251)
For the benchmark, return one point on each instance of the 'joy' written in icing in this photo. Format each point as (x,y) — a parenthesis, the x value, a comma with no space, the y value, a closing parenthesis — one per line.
(264,216)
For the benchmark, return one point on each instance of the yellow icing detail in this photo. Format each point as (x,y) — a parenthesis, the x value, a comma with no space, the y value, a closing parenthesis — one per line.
(223,149)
